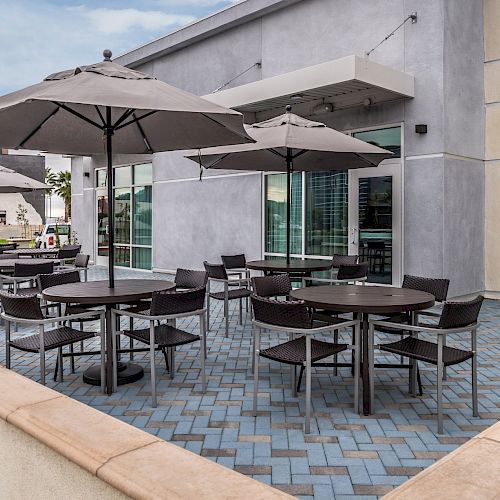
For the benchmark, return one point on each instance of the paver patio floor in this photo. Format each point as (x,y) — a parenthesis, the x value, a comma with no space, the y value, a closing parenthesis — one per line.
(344,456)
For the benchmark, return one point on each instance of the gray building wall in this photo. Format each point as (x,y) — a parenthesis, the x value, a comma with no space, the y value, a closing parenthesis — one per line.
(32,166)
(442,170)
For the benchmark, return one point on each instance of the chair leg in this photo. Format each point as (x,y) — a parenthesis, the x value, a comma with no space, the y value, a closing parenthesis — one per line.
(42,354)
(103,354)
(336,358)
(419,381)
(131,328)
(241,311)
(475,411)
(371,363)
(152,346)
(307,428)
(167,367)
(60,359)
(56,369)
(208,307)
(256,369)
(356,367)
(202,353)
(7,344)
(353,352)
(440,385)
(72,358)
(445,376)
(299,381)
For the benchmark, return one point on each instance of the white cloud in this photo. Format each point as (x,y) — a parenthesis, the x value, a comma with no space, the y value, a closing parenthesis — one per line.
(39,37)
(122,20)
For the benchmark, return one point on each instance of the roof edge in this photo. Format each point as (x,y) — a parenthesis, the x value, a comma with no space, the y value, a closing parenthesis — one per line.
(222,20)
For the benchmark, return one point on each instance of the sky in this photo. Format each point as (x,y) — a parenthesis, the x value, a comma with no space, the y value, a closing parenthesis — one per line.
(39,37)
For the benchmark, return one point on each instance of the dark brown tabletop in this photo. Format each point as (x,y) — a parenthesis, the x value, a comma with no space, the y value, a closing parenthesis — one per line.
(294,266)
(28,252)
(364,299)
(10,263)
(98,292)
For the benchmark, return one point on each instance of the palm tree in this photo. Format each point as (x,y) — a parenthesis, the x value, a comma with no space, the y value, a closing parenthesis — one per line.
(50,180)
(62,187)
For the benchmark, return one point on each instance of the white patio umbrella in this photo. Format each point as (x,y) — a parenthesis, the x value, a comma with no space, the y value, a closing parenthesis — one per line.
(106,108)
(14,182)
(290,142)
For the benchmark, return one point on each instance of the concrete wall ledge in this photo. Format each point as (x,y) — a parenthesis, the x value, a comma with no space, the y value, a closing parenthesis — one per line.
(471,471)
(134,463)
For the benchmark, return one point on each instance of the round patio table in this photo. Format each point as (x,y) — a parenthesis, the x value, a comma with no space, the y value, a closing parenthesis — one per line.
(99,292)
(9,264)
(363,301)
(32,252)
(295,266)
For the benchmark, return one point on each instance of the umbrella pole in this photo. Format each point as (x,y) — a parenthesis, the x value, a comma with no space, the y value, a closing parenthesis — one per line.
(288,201)
(108,132)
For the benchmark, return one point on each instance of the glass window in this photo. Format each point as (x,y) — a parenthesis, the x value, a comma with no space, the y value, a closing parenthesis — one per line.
(276,213)
(100,178)
(123,176)
(387,138)
(143,174)
(141,258)
(122,256)
(326,213)
(143,216)
(122,215)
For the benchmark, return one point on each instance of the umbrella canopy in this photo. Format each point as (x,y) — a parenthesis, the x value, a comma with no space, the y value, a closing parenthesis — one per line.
(13,182)
(290,142)
(106,108)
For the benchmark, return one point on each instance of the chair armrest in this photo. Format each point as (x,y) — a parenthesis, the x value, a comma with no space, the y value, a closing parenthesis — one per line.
(425,329)
(15,279)
(306,331)
(44,321)
(333,281)
(121,312)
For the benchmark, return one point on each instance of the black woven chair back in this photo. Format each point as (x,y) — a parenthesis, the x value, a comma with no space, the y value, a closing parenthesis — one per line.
(344,260)
(68,251)
(189,278)
(82,260)
(353,271)
(168,302)
(234,261)
(8,256)
(292,314)
(460,314)
(435,286)
(272,286)
(55,279)
(21,306)
(21,269)
(7,246)
(216,271)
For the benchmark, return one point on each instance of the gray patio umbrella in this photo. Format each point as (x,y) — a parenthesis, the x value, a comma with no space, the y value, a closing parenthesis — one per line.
(14,182)
(290,142)
(105,108)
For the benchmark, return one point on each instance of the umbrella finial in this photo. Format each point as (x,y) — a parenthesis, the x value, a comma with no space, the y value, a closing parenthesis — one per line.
(289,108)
(107,54)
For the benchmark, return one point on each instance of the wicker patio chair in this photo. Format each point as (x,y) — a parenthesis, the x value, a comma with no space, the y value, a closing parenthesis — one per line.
(294,318)
(435,286)
(68,252)
(26,310)
(277,285)
(186,279)
(455,318)
(217,273)
(26,273)
(167,306)
(236,265)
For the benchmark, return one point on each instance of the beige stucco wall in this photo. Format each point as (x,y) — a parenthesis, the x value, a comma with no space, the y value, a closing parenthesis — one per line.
(492,143)
(29,469)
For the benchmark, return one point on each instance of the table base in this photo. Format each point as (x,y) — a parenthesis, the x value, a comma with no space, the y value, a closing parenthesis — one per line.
(127,373)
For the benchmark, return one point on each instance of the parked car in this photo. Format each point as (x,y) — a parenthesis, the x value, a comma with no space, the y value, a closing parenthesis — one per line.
(48,237)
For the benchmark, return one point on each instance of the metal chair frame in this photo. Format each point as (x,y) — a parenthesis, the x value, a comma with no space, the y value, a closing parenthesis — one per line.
(41,332)
(258,326)
(153,347)
(441,334)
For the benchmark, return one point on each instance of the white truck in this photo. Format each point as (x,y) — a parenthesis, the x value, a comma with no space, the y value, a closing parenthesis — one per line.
(48,237)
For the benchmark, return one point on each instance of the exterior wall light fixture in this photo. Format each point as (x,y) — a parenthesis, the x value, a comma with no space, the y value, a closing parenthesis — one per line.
(421,128)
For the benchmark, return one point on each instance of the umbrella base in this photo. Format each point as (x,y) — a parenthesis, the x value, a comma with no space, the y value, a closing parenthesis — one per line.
(127,373)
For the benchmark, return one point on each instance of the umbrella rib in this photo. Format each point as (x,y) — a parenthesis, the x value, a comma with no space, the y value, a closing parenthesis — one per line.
(217,161)
(100,115)
(141,131)
(366,159)
(77,114)
(300,153)
(221,124)
(136,119)
(36,129)
(277,153)
(124,116)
